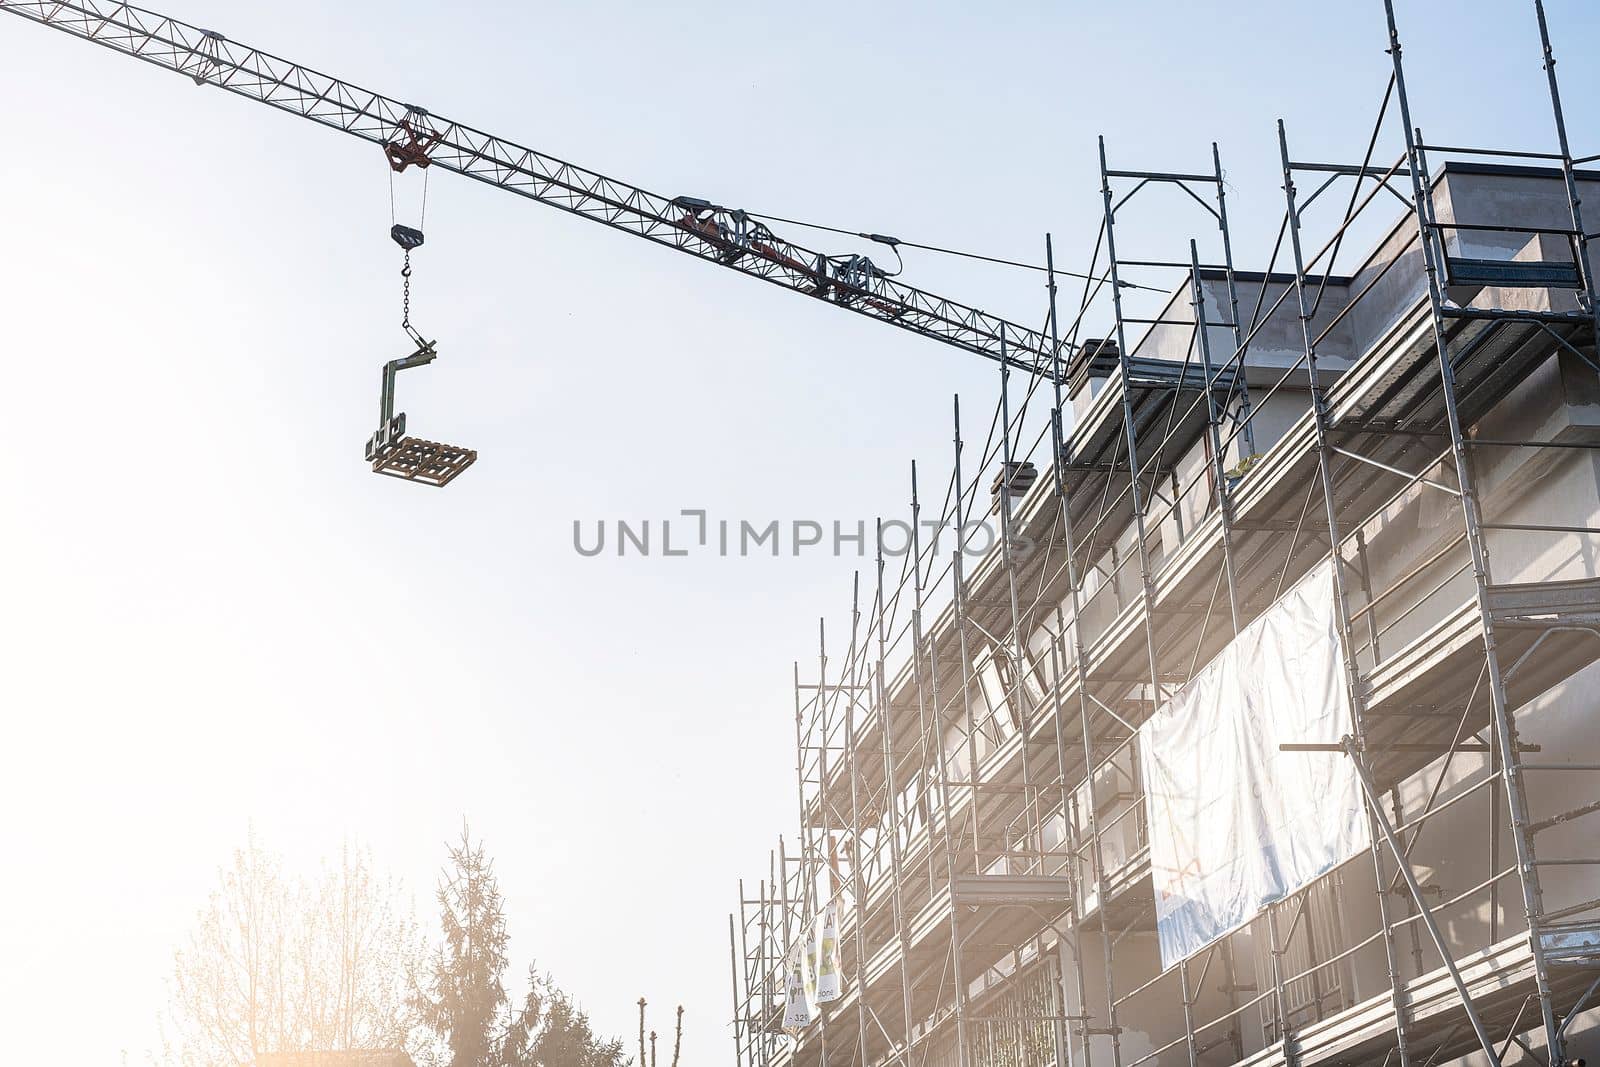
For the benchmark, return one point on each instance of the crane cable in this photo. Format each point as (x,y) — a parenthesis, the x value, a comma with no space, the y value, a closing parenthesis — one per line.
(896,243)
(405,269)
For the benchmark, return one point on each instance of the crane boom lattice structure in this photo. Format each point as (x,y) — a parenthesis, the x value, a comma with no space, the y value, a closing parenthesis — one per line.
(411,136)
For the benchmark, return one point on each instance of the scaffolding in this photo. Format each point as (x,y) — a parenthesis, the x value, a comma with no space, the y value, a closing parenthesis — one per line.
(966,764)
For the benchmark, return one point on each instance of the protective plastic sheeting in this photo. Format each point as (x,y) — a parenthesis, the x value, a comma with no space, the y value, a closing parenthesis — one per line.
(1235,823)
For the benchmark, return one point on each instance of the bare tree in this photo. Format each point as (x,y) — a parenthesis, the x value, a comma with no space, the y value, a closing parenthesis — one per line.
(677,1039)
(363,955)
(277,964)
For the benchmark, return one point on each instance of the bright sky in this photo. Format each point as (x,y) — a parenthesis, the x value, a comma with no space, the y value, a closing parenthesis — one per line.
(215,614)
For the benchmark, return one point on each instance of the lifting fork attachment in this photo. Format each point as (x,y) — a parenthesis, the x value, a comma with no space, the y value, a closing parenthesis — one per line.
(391,452)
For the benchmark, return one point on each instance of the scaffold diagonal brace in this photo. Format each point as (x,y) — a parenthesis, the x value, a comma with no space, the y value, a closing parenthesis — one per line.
(1375,806)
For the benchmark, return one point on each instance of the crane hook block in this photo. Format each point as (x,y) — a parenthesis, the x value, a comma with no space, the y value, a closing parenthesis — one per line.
(406,237)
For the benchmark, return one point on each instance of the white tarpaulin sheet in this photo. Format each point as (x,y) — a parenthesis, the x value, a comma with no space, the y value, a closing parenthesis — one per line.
(1234,822)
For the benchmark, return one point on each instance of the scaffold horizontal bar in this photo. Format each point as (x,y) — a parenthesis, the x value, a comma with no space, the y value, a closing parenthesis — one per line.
(1539,527)
(1350,168)
(1408,746)
(1574,862)
(1488,227)
(1171,322)
(1566,816)
(1502,315)
(1506,152)
(1161,176)
(1174,264)
(1494,443)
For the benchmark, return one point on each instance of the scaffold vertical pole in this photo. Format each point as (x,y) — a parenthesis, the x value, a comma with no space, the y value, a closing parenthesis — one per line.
(1568,175)
(1081,678)
(891,797)
(1505,731)
(1223,494)
(1188,1013)
(958,584)
(856,888)
(1244,419)
(800,777)
(811,853)
(751,970)
(931,724)
(929,713)
(1016,697)
(1129,428)
(786,913)
(806,877)
(1341,604)
(733,964)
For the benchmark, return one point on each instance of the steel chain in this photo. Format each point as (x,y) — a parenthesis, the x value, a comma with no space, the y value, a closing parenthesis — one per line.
(405,299)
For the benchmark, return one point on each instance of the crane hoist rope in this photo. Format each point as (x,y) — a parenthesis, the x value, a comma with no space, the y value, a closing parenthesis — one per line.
(409,238)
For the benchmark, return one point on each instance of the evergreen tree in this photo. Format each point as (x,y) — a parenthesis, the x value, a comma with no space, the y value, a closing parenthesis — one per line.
(464,1002)
(552,1031)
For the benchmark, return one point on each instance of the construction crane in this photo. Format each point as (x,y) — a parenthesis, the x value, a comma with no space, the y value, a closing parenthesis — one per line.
(411,136)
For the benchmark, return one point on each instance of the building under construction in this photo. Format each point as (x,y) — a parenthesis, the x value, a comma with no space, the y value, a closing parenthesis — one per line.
(1073,800)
